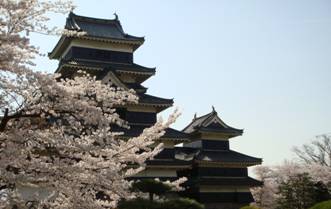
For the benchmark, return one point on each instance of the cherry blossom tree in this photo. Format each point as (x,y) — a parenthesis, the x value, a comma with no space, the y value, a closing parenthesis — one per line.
(57,147)
(265,196)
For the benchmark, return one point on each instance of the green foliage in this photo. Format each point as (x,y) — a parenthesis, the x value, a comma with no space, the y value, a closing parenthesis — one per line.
(296,192)
(137,204)
(321,192)
(182,203)
(249,207)
(152,187)
(322,205)
(300,192)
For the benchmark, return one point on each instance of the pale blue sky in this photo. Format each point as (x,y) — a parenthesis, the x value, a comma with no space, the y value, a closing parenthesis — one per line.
(264,65)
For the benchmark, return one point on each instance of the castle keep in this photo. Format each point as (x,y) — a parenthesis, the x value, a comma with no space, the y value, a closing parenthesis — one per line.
(217,175)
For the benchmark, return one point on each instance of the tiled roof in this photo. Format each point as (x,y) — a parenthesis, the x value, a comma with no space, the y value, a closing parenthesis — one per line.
(149,99)
(101,28)
(214,156)
(210,123)
(226,156)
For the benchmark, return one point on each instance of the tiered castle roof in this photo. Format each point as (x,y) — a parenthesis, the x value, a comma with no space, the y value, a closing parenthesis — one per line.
(211,123)
(215,172)
(105,63)
(215,150)
(104,30)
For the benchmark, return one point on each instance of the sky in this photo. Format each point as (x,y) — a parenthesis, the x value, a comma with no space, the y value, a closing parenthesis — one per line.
(263,64)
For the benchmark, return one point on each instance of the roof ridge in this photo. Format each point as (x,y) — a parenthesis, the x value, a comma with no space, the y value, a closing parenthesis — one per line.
(73,15)
(202,116)
(210,115)
(197,118)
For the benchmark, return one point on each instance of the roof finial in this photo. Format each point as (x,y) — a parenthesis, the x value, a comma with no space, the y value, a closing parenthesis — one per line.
(72,9)
(195,116)
(116,16)
(214,111)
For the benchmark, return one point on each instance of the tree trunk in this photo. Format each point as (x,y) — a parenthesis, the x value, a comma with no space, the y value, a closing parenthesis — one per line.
(151,198)
(4,121)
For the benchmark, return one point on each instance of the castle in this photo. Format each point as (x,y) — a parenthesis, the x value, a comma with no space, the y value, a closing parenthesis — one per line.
(217,176)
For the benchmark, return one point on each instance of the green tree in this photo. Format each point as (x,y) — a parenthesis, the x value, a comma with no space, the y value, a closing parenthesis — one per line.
(300,192)
(152,187)
(322,205)
(249,207)
(138,203)
(181,203)
(321,192)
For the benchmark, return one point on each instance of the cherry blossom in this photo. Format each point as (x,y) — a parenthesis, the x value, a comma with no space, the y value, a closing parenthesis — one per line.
(57,147)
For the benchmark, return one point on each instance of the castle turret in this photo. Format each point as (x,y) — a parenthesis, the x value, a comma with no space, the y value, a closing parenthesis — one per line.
(219,176)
